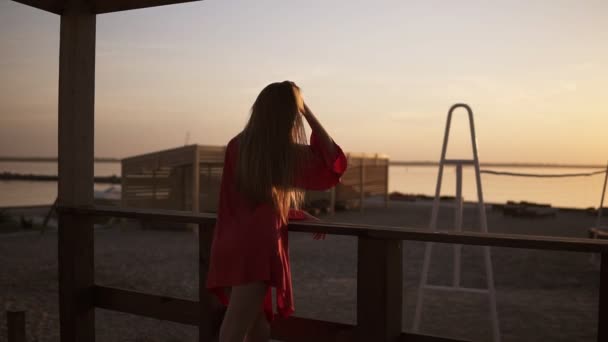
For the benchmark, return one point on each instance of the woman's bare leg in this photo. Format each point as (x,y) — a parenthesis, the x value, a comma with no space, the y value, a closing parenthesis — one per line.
(243,309)
(260,330)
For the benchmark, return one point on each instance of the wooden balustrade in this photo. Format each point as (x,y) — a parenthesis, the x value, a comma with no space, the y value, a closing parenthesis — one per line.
(379,278)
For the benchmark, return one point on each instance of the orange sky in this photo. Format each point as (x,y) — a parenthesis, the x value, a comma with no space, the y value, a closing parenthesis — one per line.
(379,75)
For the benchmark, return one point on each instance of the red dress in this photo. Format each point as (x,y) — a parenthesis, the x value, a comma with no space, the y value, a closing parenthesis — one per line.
(250,243)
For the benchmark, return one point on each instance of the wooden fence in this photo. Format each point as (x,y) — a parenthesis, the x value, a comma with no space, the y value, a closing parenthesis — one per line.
(379,278)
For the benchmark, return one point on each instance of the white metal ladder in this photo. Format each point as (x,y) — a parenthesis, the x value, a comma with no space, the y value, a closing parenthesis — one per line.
(456,285)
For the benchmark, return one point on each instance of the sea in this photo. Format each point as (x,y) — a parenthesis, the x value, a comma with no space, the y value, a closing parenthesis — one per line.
(568,192)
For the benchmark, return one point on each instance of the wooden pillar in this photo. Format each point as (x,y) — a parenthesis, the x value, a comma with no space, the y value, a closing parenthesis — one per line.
(379,289)
(75,186)
(602,317)
(15,324)
(210,309)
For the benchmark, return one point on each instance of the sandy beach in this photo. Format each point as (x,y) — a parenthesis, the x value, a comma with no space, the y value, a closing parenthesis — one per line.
(541,296)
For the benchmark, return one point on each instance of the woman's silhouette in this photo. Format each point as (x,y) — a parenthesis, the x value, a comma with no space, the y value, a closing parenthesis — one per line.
(266,170)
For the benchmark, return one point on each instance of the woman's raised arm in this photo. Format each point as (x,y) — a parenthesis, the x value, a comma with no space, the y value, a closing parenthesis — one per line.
(325,141)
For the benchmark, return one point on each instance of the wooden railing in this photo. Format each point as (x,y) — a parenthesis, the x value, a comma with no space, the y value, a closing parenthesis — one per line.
(379,278)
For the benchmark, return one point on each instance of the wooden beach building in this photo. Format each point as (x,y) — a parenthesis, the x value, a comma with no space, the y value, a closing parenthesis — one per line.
(168,180)
(380,262)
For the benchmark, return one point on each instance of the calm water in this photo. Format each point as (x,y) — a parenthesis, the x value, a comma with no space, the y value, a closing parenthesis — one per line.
(581,192)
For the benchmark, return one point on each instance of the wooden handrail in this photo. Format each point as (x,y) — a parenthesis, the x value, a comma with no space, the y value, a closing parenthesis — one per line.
(142,304)
(361,230)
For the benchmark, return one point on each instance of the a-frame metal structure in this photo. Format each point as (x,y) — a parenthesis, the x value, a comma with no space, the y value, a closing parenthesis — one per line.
(459,208)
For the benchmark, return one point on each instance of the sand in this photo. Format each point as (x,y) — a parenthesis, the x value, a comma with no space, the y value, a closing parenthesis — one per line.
(542,296)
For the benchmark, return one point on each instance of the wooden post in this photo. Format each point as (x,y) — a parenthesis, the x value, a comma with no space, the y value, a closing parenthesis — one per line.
(386,176)
(15,324)
(75,186)
(210,309)
(602,317)
(379,289)
(154,185)
(196,180)
(361,183)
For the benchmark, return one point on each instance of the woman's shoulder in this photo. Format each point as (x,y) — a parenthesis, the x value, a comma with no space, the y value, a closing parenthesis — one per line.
(232,149)
(233,144)
(234,141)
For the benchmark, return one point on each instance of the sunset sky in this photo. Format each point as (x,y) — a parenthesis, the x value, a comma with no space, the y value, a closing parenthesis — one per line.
(380,75)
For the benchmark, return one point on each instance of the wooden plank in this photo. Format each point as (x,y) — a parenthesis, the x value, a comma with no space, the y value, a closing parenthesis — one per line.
(602,317)
(209,306)
(379,289)
(15,324)
(53,6)
(196,180)
(107,6)
(381,232)
(296,329)
(75,186)
(407,337)
(137,213)
(159,307)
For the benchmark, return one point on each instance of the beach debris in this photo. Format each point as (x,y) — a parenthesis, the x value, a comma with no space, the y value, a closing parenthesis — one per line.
(4,216)
(528,209)
(25,222)
(398,196)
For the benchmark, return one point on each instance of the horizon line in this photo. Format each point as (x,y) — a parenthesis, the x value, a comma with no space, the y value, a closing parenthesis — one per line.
(414,163)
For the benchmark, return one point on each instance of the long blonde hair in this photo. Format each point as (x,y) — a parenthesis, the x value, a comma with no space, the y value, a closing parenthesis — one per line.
(268,148)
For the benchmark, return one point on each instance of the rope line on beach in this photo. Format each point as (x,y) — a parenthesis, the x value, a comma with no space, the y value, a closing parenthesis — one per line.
(540,175)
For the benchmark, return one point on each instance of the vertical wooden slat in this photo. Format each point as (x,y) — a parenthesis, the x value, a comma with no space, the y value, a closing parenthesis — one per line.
(123,184)
(386,194)
(602,317)
(196,180)
(154,184)
(210,309)
(75,186)
(379,289)
(15,321)
(362,184)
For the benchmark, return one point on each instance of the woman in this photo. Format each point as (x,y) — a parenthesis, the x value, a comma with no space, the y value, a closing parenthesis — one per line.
(266,170)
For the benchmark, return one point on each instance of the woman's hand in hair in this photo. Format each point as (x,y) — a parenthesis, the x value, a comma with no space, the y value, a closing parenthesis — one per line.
(326,142)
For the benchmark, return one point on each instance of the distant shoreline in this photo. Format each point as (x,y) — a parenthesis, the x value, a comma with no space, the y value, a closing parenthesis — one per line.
(52,160)
(412,163)
(9,176)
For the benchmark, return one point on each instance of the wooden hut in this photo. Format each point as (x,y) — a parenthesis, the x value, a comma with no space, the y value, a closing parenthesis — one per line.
(166,180)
